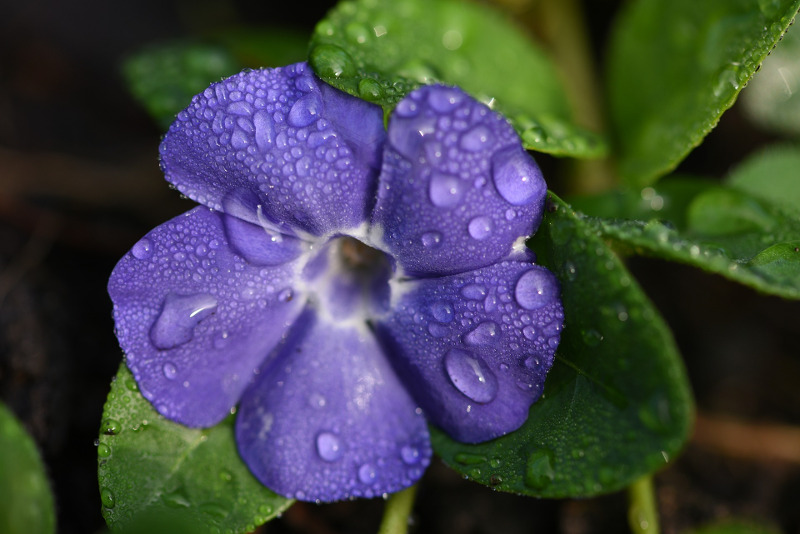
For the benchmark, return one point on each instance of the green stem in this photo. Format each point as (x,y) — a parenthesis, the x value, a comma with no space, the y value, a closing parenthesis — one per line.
(398,508)
(566,33)
(642,507)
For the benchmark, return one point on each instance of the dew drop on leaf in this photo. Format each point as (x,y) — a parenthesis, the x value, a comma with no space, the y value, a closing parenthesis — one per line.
(539,471)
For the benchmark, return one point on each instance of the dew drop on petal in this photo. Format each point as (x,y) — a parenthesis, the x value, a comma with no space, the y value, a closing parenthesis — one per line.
(480,227)
(178,318)
(485,333)
(265,130)
(409,454)
(143,249)
(473,292)
(470,375)
(431,239)
(367,473)
(329,447)
(306,110)
(445,191)
(477,139)
(516,176)
(535,289)
(442,312)
(170,371)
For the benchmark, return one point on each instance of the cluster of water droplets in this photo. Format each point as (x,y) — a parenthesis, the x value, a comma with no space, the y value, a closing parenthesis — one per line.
(456,189)
(271,132)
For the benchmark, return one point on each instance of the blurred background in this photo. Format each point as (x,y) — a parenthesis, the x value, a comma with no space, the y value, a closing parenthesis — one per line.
(80,184)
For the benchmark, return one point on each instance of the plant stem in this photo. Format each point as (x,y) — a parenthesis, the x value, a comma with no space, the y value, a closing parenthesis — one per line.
(642,507)
(566,34)
(398,508)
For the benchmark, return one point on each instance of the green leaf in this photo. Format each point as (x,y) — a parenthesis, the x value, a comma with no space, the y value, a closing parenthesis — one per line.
(771,175)
(720,229)
(165,78)
(26,503)
(772,98)
(616,403)
(150,468)
(675,66)
(734,526)
(380,50)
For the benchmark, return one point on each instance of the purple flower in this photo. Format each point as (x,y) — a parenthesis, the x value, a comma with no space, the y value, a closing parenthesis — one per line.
(341,283)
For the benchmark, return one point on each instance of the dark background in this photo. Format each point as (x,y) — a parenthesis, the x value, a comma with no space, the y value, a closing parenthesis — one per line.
(79,184)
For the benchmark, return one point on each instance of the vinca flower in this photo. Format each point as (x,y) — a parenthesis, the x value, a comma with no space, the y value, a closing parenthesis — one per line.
(341,283)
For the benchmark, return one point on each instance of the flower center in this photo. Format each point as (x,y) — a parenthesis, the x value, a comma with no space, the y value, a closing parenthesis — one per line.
(350,279)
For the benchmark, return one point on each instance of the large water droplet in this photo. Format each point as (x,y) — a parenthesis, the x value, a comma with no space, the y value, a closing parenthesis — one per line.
(265,130)
(110,427)
(485,333)
(367,473)
(179,316)
(306,110)
(107,498)
(470,375)
(329,447)
(370,89)
(143,249)
(480,227)
(535,289)
(170,371)
(431,239)
(517,177)
(473,292)
(103,450)
(331,61)
(406,135)
(409,454)
(442,311)
(539,472)
(477,139)
(445,191)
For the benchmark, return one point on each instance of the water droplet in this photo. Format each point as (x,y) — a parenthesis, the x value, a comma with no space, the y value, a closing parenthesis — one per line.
(107,498)
(330,61)
(265,509)
(286,295)
(370,89)
(103,450)
(265,130)
(329,447)
(431,239)
(214,510)
(180,314)
(477,139)
(367,473)
(443,100)
(438,330)
(536,289)
(445,191)
(143,249)
(225,476)
(110,427)
(221,340)
(317,401)
(470,375)
(480,227)
(474,292)
(517,177)
(357,33)
(306,110)
(529,332)
(591,337)
(130,383)
(176,499)
(409,454)
(485,333)
(468,458)
(532,362)
(442,311)
(539,472)
(170,370)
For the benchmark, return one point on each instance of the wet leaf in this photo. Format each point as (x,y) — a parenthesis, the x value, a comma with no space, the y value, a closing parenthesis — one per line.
(676,66)
(382,49)
(616,403)
(151,469)
(26,502)
(747,231)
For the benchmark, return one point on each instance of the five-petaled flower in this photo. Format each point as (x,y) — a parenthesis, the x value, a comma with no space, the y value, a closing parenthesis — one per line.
(341,283)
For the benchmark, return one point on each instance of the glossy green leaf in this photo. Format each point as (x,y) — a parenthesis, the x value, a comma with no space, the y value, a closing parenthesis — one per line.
(720,229)
(26,503)
(675,66)
(772,98)
(616,403)
(771,175)
(165,78)
(380,50)
(150,468)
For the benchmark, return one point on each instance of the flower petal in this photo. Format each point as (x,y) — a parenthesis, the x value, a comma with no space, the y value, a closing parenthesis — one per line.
(278,145)
(456,189)
(195,319)
(329,420)
(474,348)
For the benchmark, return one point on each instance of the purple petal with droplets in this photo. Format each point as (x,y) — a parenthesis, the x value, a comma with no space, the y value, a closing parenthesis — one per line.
(456,189)
(329,420)
(474,348)
(277,138)
(195,319)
